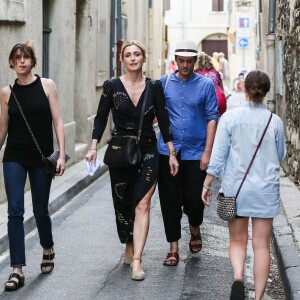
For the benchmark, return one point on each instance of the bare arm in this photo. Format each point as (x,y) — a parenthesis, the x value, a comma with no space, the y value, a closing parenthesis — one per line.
(4,96)
(51,92)
(211,131)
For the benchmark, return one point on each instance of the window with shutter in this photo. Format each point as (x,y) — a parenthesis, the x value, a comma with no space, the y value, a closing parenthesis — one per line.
(217,5)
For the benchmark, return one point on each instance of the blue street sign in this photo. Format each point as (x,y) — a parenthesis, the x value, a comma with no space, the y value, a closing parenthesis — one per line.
(244,22)
(243,42)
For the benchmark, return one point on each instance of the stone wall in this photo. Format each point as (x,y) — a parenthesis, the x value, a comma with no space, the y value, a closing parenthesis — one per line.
(288,18)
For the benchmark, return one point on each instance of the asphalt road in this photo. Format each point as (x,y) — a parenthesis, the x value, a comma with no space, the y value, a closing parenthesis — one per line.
(89,263)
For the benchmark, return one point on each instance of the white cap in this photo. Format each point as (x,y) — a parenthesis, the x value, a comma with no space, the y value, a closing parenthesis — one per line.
(186,48)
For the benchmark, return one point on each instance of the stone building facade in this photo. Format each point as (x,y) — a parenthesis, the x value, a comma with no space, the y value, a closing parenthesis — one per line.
(286,62)
(288,29)
(203,22)
(77,44)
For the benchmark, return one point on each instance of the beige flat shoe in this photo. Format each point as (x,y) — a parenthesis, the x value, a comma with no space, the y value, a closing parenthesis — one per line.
(127,260)
(137,275)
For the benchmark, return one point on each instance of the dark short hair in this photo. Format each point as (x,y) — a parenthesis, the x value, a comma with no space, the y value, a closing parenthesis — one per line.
(25,48)
(257,85)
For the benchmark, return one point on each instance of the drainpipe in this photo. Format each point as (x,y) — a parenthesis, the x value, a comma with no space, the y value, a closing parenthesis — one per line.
(150,40)
(271,54)
(119,38)
(112,38)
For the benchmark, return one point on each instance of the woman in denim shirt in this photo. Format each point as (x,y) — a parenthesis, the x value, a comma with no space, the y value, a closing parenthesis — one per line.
(238,134)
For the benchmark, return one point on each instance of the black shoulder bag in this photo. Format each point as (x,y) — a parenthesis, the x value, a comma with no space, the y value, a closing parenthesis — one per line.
(226,207)
(124,151)
(50,161)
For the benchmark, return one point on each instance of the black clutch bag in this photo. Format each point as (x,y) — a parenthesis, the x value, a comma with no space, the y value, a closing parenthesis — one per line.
(50,162)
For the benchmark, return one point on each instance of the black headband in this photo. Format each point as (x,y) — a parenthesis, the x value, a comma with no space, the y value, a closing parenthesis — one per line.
(186,50)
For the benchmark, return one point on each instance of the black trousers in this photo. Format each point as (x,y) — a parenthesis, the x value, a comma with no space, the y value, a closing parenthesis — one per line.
(181,193)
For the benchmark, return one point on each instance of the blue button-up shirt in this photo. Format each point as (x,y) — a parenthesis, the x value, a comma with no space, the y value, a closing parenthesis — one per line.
(191,104)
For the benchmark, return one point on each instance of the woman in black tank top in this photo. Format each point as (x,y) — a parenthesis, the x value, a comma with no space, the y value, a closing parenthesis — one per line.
(39,101)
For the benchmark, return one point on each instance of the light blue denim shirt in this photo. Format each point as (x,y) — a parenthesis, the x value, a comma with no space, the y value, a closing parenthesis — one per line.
(191,104)
(237,136)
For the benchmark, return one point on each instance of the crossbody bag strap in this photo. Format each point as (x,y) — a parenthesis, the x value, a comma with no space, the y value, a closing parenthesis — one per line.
(143,110)
(26,122)
(261,139)
(167,81)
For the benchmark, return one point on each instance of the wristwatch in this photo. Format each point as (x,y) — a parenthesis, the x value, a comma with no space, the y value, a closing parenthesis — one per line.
(172,151)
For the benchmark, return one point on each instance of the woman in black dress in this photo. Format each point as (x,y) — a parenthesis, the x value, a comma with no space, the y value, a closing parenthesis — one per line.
(132,188)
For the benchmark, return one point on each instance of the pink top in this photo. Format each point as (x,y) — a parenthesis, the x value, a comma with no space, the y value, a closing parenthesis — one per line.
(215,76)
(212,74)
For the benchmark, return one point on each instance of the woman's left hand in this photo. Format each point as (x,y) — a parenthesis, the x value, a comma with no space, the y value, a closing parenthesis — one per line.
(60,167)
(206,195)
(174,165)
(206,190)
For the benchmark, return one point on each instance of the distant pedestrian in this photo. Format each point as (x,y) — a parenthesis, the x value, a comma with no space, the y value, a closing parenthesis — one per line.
(215,60)
(224,70)
(172,66)
(132,188)
(240,87)
(237,137)
(204,66)
(39,101)
(193,107)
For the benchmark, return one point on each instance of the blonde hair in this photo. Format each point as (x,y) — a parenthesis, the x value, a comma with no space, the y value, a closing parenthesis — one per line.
(130,43)
(203,62)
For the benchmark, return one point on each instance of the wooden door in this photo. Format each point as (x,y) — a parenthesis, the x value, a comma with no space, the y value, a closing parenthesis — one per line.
(210,46)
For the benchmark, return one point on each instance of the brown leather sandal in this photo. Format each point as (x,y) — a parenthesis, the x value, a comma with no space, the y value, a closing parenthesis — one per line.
(15,284)
(172,259)
(196,248)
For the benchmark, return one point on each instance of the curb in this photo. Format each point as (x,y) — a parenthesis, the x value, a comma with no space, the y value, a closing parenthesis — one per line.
(59,196)
(285,242)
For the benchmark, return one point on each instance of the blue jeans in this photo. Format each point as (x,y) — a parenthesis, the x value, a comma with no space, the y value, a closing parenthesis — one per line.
(14,179)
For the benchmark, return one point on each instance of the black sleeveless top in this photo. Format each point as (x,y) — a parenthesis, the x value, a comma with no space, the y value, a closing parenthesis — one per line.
(20,147)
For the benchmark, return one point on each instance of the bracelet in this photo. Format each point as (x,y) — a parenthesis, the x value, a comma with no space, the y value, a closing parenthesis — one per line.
(172,151)
(93,149)
(206,187)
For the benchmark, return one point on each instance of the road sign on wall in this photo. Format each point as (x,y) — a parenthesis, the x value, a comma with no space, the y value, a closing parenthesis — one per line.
(244,22)
(243,26)
(243,42)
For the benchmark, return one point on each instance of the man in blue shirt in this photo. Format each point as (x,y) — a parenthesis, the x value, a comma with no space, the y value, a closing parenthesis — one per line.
(193,110)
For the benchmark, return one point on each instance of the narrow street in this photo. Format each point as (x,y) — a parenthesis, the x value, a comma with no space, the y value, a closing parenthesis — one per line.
(89,264)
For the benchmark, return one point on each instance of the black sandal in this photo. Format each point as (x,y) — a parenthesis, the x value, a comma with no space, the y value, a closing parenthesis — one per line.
(15,284)
(50,256)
